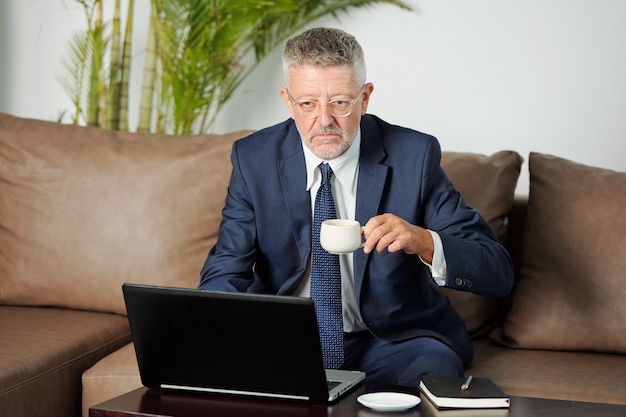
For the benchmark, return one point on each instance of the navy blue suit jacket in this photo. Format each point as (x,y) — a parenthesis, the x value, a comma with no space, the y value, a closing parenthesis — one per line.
(265,235)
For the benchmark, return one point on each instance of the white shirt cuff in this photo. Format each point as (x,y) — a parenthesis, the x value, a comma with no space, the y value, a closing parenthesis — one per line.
(438,268)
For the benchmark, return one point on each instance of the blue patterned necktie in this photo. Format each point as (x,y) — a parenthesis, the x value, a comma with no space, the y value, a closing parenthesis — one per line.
(326,278)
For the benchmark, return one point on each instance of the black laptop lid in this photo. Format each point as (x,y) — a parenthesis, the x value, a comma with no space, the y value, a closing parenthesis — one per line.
(230,341)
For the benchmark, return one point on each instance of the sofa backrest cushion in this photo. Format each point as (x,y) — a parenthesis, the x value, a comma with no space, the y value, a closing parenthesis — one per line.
(571,291)
(83,210)
(487,183)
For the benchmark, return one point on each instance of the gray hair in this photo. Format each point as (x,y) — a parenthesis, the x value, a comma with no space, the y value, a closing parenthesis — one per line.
(324,47)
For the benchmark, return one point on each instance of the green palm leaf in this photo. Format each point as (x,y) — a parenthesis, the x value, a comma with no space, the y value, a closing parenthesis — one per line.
(75,65)
(199,52)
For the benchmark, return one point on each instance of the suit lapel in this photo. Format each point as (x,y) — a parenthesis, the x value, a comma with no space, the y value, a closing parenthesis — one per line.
(372,178)
(292,171)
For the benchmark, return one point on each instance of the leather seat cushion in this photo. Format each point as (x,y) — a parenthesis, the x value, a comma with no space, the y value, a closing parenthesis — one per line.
(112,376)
(44,352)
(561,375)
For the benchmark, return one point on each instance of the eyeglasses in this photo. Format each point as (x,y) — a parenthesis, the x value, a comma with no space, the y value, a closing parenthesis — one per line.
(338,107)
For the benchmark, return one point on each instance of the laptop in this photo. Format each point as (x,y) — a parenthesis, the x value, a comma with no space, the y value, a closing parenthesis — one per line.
(231,343)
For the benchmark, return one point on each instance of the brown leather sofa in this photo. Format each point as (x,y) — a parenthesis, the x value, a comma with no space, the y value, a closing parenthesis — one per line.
(83,210)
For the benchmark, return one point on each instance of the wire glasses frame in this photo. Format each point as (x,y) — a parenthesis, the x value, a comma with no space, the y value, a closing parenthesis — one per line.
(338,107)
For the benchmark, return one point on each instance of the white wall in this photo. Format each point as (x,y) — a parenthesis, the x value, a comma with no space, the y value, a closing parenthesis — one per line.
(481,75)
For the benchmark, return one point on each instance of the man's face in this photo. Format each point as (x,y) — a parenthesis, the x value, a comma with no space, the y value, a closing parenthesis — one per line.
(327,136)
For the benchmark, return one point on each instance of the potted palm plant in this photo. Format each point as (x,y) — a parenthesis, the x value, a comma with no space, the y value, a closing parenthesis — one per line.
(198,53)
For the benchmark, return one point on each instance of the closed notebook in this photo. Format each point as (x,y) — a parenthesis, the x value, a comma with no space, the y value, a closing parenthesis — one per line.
(447,393)
(429,409)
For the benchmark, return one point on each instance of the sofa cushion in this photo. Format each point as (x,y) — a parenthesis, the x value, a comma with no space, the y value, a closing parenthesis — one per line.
(112,376)
(572,284)
(44,351)
(561,375)
(487,183)
(83,210)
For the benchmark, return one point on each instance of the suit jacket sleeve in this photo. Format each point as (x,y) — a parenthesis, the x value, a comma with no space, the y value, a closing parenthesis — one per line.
(476,261)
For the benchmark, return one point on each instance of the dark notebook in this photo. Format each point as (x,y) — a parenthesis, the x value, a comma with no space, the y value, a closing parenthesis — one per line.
(447,393)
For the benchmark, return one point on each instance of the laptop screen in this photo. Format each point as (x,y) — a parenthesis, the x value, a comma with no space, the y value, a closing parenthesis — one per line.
(226,341)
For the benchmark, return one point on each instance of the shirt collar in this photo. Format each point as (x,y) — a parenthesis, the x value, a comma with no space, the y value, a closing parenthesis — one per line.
(344,166)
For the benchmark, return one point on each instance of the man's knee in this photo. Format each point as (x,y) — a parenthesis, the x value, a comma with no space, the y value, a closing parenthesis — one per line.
(403,363)
(430,357)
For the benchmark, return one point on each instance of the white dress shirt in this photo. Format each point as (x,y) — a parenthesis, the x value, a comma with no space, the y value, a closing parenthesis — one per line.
(344,184)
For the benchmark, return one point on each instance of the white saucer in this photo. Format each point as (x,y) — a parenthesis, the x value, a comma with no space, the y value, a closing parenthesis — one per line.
(389,401)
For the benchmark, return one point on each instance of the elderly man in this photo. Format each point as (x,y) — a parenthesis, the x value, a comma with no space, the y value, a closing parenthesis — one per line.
(386,315)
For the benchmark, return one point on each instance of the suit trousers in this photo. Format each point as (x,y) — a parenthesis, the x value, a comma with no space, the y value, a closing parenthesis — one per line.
(399,363)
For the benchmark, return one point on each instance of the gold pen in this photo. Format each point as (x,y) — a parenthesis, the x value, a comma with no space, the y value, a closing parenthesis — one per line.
(467,383)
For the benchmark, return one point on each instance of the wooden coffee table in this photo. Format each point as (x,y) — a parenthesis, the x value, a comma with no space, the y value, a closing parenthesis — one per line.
(151,403)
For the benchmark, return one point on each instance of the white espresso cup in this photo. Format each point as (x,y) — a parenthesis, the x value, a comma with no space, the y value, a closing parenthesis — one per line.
(341,236)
